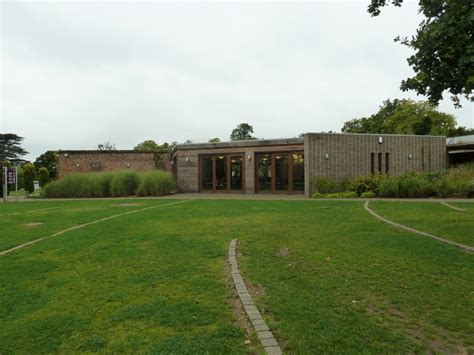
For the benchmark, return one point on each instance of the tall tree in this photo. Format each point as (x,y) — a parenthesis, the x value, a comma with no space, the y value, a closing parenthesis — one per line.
(106,146)
(443,46)
(404,117)
(147,145)
(242,133)
(10,147)
(48,160)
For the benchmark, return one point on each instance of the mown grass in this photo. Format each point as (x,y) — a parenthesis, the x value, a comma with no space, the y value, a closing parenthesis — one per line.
(431,217)
(22,222)
(327,276)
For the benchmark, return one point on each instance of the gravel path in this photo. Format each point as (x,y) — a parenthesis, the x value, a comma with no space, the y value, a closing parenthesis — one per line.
(412,230)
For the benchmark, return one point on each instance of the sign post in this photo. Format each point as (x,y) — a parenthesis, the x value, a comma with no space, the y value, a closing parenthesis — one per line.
(10,178)
(5,185)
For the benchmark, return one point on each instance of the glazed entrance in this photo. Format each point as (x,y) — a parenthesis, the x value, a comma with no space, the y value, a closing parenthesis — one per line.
(280,172)
(221,173)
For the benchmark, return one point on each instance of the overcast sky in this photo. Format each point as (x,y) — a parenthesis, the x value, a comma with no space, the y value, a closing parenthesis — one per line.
(75,74)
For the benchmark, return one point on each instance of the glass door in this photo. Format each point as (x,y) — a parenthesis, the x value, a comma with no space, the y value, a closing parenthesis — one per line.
(220,173)
(264,172)
(281,172)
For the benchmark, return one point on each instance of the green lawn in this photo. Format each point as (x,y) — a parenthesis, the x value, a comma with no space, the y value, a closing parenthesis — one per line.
(431,217)
(327,276)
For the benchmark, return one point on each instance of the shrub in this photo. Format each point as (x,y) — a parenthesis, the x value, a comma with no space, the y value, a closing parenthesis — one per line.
(457,182)
(43,176)
(414,185)
(347,194)
(366,183)
(368,194)
(155,183)
(29,177)
(388,187)
(325,185)
(124,183)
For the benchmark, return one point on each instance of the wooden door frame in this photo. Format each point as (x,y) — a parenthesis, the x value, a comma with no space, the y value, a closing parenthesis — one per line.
(227,157)
(272,159)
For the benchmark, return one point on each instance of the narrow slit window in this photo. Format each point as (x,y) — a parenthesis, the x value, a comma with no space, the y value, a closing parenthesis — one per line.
(372,163)
(380,162)
(387,163)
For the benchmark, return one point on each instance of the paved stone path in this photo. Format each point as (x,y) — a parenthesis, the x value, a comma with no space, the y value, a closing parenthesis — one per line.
(79,226)
(263,331)
(412,230)
(453,207)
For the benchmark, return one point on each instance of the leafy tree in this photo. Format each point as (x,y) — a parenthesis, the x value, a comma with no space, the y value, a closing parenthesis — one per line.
(404,117)
(214,140)
(106,146)
(29,176)
(242,133)
(48,160)
(10,147)
(151,145)
(43,176)
(443,46)
(147,145)
(460,131)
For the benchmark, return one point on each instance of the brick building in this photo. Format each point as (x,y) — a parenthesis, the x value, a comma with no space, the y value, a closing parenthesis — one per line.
(291,165)
(84,161)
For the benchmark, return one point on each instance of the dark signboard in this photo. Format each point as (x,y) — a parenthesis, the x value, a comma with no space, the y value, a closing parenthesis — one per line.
(11,176)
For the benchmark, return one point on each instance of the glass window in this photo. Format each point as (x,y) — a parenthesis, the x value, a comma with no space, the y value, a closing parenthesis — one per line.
(264,172)
(236,173)
(206,173)
(281,172)
(221,173)
(298,172)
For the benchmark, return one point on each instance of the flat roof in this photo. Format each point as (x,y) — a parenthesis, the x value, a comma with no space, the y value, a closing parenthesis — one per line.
(460,140)
(247,143)
(95,151)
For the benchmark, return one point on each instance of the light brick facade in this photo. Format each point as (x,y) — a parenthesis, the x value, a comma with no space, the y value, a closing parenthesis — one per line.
(336,156)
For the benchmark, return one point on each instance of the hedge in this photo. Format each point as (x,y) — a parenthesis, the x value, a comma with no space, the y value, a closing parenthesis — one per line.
(111,184)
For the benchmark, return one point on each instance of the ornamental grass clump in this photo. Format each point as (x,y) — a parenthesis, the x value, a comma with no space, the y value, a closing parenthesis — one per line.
(124,183)
(111,184)
(155,183)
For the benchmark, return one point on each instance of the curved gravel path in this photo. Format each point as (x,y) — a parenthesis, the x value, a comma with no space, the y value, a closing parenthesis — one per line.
(453,207)
(261,328)
(412,230)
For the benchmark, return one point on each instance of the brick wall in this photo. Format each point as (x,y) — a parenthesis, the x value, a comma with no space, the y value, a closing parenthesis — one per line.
(349,155)
(70,162)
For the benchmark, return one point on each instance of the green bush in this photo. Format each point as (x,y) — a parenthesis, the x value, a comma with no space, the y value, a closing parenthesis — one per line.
(388,187)
(43,176)
(457,182)
(347,194)
(368,194)
(326,186)
(106,184)
(29,174)
(366,183)
(155,183)
(124,183)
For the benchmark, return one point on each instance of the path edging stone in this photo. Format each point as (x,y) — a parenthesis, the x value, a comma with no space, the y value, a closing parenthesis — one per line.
(262,329)
(412,230)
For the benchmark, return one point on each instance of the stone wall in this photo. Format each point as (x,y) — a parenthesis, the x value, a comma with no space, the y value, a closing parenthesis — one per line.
(340,156)
(70,162)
